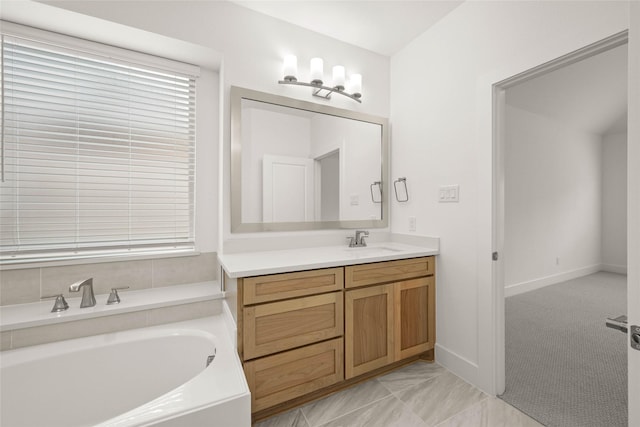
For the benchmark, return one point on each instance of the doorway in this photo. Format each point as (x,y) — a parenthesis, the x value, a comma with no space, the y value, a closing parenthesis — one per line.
(552,213)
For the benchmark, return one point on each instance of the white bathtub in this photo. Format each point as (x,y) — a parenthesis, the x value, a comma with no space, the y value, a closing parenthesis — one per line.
(148,376)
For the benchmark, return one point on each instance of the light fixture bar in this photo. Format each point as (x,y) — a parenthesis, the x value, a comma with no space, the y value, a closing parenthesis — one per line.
(356,96)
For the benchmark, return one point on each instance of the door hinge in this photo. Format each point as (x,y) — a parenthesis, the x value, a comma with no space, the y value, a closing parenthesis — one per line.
(494,256)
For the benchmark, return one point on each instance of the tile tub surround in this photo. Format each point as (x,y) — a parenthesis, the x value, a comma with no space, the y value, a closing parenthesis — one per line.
(19,286)
(391,400)
(30,324)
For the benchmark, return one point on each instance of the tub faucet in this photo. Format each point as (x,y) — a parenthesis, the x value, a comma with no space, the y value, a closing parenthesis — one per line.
(88,299)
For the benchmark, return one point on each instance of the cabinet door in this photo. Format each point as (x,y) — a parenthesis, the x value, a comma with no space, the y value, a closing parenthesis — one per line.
(414,312)
(277,326)
(368,329)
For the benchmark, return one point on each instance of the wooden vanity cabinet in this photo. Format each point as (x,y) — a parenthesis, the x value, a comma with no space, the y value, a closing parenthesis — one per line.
(388,322)
(302,332)
(290,333)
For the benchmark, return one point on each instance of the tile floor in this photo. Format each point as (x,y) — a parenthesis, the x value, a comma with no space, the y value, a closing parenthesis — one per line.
(417,395)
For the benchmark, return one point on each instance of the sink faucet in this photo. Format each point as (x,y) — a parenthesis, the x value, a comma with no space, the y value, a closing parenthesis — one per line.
(358,241)
(360,235)
(88,299)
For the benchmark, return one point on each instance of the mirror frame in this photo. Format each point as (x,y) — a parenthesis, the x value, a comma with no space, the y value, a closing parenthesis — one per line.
(237,226)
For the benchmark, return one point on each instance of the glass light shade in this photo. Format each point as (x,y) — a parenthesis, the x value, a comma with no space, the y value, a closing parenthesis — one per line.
(317,72)
(356,85)
(338,77)
(290,68)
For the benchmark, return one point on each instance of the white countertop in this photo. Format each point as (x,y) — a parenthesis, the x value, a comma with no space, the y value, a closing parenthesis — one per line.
(39,313)
(248,264)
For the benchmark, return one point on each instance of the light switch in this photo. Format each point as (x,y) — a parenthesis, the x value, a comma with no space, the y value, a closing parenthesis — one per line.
(449,194)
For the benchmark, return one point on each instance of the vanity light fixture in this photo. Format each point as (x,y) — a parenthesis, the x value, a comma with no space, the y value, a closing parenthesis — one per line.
(290,71)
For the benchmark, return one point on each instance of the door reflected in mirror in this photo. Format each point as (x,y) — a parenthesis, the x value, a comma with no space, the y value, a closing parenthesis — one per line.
(298,165)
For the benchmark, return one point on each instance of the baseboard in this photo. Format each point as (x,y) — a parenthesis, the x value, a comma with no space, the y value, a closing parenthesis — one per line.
(612,268)
(522,287)
(464,368)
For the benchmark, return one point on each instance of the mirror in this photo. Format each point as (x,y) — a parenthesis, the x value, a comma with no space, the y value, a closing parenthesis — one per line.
(298,165)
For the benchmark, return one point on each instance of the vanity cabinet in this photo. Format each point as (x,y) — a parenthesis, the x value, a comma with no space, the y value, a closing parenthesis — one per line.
(290,329)
(302,332)
(389,313)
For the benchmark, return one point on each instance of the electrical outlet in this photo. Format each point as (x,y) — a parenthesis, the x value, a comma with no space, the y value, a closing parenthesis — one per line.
(412,223)
(355,200)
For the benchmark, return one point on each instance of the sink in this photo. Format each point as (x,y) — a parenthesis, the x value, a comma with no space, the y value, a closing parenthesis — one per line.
(373,250)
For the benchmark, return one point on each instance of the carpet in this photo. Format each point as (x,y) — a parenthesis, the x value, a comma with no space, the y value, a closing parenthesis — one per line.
(564,368)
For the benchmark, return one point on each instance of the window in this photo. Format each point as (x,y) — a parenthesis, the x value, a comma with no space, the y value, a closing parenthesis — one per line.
(98,154)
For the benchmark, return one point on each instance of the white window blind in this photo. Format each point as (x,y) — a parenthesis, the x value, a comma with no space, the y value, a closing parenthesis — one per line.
(98,155)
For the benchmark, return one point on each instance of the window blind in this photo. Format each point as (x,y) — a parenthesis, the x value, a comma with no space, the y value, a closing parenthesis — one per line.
(98,155)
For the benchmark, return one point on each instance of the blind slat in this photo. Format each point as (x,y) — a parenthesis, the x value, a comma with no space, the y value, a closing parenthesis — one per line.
(99,156)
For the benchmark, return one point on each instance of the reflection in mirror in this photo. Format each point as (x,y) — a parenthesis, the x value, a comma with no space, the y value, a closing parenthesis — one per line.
(298,165)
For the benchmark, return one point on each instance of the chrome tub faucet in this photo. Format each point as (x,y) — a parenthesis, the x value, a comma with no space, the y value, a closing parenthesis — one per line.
(88,298)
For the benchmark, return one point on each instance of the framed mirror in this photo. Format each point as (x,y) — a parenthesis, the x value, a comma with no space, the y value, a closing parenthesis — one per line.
(298,165)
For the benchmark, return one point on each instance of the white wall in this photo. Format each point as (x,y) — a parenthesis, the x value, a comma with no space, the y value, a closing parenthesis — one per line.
(614,202)
(553,201)
(441,111)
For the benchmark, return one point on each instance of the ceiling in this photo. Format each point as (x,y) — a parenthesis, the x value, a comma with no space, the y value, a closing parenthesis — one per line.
(590,95)
(384,26)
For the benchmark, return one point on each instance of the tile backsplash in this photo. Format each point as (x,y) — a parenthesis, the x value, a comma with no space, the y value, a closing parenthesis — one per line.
(30,284)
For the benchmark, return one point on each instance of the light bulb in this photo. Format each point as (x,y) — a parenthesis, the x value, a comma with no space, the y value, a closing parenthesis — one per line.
(338,77)
(317,72)
(356,85)
(290,68)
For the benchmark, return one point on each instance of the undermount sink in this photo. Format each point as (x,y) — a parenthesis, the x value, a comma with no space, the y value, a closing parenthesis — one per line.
(372,250)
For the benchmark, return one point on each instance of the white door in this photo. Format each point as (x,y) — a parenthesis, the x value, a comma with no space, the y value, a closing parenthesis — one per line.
(287,189)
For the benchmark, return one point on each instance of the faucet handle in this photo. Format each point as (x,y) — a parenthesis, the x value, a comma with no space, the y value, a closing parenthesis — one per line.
(352,241)
(114,298)
(59,305)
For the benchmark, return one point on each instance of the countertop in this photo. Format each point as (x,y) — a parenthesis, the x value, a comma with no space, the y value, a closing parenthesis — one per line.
(39,313)
(248,264)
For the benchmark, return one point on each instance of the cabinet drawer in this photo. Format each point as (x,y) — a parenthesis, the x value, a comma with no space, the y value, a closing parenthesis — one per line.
(285,376)
(277,326)
(290,285)
(388,271)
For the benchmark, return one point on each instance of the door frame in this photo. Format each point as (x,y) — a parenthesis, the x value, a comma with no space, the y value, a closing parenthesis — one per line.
(498,182)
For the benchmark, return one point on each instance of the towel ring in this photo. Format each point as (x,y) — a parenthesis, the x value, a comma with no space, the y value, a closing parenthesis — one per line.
(403,181)
(379,185)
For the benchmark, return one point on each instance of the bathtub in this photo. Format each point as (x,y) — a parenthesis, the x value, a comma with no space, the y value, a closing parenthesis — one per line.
(149,376)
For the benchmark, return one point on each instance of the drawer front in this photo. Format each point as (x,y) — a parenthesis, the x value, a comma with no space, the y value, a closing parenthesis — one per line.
(388,271)
(277,326)
(285,376)
(291,285)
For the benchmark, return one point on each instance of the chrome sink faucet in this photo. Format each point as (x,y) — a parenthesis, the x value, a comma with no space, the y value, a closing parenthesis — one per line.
(358,241)
(88,298)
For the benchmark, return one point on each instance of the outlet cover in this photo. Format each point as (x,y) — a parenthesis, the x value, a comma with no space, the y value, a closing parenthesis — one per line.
(412,223)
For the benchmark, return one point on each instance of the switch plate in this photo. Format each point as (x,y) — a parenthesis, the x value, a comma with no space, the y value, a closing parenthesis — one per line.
(449,194)
(355,200)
